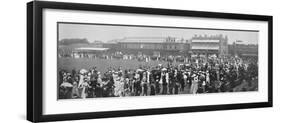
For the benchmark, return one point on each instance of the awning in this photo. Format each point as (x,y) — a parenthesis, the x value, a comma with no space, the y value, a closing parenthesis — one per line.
(205,47)
(205,41)
(91,49)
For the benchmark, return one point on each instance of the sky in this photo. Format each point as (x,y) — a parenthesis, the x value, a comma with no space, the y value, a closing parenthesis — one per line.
(106,33)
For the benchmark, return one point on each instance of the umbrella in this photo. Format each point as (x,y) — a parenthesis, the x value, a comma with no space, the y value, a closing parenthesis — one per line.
(66,84)
(82,71)
(164,69)
(187,64)
(139,70)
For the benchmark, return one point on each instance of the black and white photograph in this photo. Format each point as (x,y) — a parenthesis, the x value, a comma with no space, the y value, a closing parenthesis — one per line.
(96,60)
(90,61)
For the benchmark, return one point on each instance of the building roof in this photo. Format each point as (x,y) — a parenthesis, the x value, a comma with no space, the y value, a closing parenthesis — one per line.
(149,40)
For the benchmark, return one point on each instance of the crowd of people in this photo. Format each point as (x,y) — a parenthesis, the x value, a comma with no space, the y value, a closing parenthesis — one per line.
(210,75)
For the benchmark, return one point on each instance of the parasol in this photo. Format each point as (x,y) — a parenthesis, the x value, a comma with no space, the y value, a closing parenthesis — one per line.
(66,84)
(164,69)
(82,71)
(139,70)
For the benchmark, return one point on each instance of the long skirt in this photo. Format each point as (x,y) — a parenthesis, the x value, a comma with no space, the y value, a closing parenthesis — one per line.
(194,88)
(83,93)
(75,92)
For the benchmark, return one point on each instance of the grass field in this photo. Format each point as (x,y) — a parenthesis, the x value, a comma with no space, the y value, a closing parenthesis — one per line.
(102,64)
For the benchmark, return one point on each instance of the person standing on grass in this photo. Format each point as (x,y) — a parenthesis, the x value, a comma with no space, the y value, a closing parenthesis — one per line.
(177,81)
(194,84)
(157,78)
(116,84)
(137,83)
(152,84)
(75,91)
(81,81)
(184,79)
(181,80)
(84,86)
(171,81)
(164,83)
(99,89)
(144,84)
(127,87)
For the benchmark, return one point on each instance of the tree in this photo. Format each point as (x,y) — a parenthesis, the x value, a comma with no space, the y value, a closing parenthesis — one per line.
(73,41)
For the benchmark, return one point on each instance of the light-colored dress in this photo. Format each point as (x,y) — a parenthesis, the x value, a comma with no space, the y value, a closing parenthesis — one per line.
(119,87)
(84,93)
(194,85)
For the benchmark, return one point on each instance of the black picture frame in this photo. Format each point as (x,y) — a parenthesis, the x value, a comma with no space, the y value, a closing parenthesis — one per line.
(35,69)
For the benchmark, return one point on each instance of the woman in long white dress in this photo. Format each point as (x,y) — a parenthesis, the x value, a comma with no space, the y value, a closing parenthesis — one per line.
(81,80)
(194,85)
(118,85)
(84,86)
